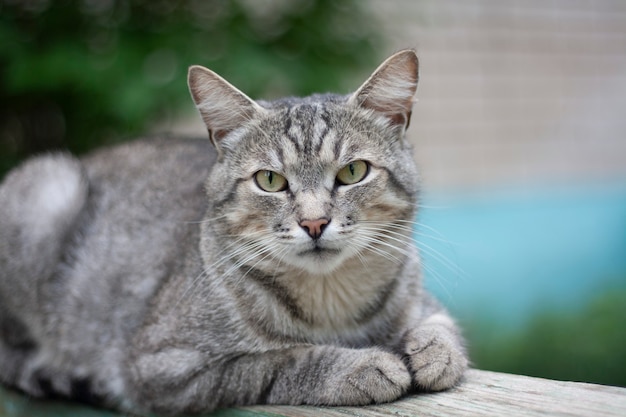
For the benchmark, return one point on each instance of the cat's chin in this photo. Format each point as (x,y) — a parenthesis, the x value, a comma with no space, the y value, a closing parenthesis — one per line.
(319,261)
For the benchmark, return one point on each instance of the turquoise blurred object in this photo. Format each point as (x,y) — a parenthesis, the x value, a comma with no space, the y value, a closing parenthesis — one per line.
(504,254)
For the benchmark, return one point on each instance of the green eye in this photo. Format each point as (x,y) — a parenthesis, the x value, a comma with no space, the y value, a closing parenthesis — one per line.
(352,173)
(270,181)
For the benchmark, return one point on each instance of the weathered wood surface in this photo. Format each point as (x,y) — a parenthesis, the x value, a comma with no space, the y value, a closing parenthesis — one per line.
(484,394)
(481,394)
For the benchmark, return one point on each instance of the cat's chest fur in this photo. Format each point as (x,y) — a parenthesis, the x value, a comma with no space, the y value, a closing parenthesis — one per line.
(342,298)
(342,307)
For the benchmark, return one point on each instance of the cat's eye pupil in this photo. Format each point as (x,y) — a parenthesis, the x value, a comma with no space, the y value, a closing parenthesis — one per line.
(270,181)
(352,173)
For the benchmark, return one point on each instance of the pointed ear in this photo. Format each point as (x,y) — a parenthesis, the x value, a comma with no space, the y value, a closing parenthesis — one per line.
(390,90)
(222,106)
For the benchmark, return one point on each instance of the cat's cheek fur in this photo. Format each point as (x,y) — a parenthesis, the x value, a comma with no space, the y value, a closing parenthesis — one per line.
(378,201)
(249,213)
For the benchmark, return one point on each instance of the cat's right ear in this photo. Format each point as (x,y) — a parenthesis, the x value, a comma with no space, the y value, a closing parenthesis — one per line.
(390,90)
(222,106)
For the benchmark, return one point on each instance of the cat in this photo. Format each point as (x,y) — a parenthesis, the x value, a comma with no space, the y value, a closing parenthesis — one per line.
(271,264)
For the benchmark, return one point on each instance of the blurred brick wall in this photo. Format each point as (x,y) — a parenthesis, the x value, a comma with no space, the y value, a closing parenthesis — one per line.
(515,92)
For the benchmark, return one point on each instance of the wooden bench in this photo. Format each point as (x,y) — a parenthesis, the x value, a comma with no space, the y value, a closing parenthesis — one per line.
(482,393)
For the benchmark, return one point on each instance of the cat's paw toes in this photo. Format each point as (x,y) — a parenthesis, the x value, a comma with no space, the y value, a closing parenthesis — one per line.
(374,377)
(435,358)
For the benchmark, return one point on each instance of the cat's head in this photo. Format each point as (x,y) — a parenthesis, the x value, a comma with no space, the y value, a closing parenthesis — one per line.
(309,183)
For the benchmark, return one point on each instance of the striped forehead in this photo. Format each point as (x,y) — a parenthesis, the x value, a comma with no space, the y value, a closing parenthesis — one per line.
(309,135)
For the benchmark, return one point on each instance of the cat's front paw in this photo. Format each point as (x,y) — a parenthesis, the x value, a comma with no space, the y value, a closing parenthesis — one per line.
(436,358)
(371,377)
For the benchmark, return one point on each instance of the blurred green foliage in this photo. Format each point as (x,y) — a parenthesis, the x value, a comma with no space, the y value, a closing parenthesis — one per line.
(75,74)
(588,345)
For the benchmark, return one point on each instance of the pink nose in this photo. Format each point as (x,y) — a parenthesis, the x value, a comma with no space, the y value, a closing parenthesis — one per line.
(314,228)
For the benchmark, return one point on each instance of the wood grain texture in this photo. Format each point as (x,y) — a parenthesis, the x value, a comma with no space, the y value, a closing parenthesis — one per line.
(482,393)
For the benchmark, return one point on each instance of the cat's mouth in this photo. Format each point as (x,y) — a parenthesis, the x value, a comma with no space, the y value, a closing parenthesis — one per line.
(318,259)
(319,251)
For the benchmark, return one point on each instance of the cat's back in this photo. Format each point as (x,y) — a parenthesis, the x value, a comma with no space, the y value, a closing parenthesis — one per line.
(158,163)
(113,221)
(143,188)
(139,226)
(146,199)
(148,180)
(151,156)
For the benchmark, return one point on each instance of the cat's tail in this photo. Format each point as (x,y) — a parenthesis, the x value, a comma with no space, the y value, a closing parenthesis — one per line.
(39,202)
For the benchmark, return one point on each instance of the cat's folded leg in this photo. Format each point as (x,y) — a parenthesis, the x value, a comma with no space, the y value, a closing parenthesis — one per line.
(323,375)
(315,375)
(434,353)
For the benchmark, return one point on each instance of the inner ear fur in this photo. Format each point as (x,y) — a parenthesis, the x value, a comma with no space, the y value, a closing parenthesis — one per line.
(222,106)
(391,89)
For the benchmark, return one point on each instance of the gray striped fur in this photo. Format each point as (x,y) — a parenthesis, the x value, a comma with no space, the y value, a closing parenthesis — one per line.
(158,277)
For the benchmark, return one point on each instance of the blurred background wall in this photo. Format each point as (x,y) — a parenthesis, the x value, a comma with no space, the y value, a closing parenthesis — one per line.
(519,129)
(521,92)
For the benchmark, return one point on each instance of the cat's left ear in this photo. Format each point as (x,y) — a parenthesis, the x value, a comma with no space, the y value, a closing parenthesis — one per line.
(222,106)
(390,90)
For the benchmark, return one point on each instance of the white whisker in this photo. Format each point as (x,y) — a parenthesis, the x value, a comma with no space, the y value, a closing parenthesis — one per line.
(269,252)
(232,251)
(370,242)
(403,234)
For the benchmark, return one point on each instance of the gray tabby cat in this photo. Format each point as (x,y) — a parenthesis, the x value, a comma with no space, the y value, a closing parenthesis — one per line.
(274,266)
